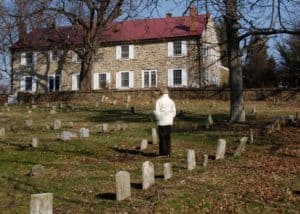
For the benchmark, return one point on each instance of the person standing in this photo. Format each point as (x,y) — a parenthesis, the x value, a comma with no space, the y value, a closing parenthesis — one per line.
(165,112)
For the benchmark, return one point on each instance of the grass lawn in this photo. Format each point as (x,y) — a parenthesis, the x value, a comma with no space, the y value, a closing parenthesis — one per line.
(80,172)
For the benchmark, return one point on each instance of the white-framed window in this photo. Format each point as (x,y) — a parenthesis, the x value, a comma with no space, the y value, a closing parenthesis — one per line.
(177,77)
(149,79)
(53,83)
(55,55)
(124,79)
(28,58)
(205,50)
(75,81)
(177,48)
(124,52)
(101,80)
(76,55)
(28,83)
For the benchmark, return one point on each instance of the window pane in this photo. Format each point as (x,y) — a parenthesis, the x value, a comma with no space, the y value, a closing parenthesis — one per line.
(51,83)
(28,83)
(125,51)
(177,77)
(125,79)
(102,81)
(29,58)
(177,48)
(57,83)
(146,79)
(153,78)
(55,55)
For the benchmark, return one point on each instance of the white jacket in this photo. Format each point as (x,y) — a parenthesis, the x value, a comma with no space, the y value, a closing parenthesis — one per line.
(165,111)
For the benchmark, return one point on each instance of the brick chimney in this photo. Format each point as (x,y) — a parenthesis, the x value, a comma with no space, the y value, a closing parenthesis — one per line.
(193,19)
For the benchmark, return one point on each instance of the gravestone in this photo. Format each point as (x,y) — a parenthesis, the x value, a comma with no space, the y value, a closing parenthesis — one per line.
(2,132)
(123,190)
(144,145)
(37,170)
(148,174)
(61,105)
(34,142)
(70,125)
(84,133)
(97,104)
(241,147)
(47,127)
(124,126)
(41,203)
(52,111)
(191,159)
(28,124)
(253,112)
(118,127)
(168,171)
(220,153)
(114,102)
(104,127)
(33,107)
(29,112)
(251,136)
(209,121)
(155,138)
(56,124)
(66,135)
(102,98)
(205,160)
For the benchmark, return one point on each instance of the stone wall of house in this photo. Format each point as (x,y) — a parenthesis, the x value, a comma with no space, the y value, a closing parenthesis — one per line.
(149,95)
(146,56)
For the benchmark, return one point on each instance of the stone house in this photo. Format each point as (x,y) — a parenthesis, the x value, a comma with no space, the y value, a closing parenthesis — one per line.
(134,54)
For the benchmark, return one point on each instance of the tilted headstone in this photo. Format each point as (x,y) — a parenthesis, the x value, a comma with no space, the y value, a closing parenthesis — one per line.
(144,145)
(241,147)
(34,142)
(155,138)
(205,160)
(84,133)
(251,136)
(2,132)
(221,148)
(57,124)
(168,171)
(28,124)
(191,159)
(123,189)
(41,203)
(148,174)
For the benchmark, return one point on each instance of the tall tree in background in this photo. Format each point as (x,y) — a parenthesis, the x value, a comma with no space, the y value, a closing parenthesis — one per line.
(289,65)
(259,68)
(244,19)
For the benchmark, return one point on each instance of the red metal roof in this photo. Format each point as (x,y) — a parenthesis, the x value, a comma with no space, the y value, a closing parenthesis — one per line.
(127,31)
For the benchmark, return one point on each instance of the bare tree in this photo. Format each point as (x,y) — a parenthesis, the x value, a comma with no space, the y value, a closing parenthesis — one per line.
(243,19)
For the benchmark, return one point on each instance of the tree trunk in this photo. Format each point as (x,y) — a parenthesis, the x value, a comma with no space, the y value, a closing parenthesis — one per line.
(86,72)
(237,111)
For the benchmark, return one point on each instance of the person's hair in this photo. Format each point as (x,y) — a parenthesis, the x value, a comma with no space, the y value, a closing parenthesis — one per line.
(164,91)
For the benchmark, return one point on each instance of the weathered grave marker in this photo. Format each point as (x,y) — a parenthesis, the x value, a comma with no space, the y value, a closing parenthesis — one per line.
(66,135)
(241,147)
(123,190)
(41,203)
(56,124)
(251,136)
(148,174)
(191,159)
(154,134)
(144,144)
(220,153)
(205,160)
(37,170)
(28,124)
(2,132)
(84,133)
(168,171)
(104,127)
(52,111)
(34,142)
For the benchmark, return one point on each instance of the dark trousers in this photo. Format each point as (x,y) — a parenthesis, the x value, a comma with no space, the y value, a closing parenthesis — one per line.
(164,133)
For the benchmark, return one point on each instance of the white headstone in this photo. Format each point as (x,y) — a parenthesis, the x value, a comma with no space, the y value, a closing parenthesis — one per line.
(205,160)
(168,171)
(154,136)
(144,144)
(2,132)
(241,147)
(84,133)
(28,124)
(191,159)
(251,137)
(34,142)
(148,174)
(56,124)
(102,98)
(123,190)
(210,120)
(66,135)
(52,111)
(41,203)
(105,127)
(220,153)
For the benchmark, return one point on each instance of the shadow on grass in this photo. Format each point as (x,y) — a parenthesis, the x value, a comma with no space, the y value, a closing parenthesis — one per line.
(136,185)
(106,196)
(134,152)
